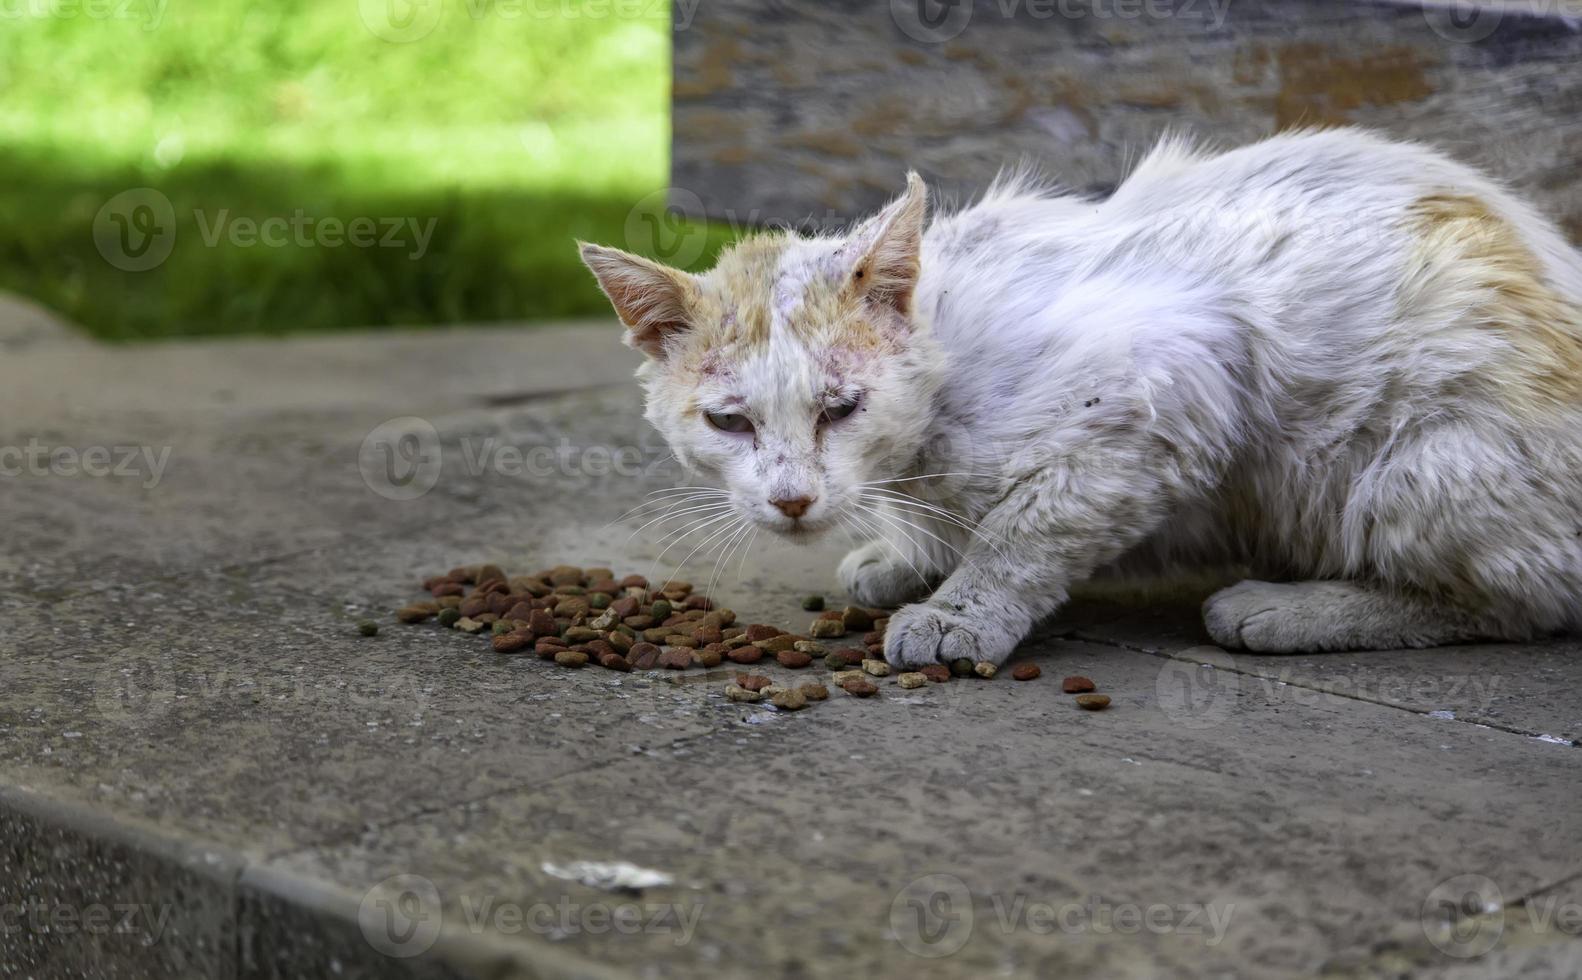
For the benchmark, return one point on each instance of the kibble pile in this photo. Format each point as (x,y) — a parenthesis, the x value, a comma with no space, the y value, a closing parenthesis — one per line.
(577,616)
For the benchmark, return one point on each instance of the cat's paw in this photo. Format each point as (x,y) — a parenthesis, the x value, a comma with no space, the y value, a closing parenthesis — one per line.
(874,576)
(926,634)
(1263,617)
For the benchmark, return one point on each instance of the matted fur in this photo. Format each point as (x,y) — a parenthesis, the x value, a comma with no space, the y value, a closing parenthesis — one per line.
(1352,364)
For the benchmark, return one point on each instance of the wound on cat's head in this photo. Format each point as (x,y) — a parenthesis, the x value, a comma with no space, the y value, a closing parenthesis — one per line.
(795,370)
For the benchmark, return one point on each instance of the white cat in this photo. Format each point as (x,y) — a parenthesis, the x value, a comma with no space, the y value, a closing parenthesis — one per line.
(1348,363)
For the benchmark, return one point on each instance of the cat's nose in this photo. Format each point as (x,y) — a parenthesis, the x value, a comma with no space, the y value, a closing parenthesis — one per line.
(793,507)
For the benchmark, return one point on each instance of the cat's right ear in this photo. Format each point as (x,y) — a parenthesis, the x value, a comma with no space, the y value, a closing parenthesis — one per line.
(653,300)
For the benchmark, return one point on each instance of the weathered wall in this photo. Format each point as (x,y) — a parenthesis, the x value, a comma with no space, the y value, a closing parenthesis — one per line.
(812,111)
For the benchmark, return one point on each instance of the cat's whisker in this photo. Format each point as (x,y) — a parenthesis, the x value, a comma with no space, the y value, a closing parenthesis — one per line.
(914,479)
(742,565)
(688,493)
(682,535)
(725,556)
(727,529)
(905,500)
(676,515)
(895,520)
(884,538)
(978,533)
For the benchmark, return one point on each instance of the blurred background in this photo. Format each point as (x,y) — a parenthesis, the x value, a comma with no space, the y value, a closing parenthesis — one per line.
(416,170)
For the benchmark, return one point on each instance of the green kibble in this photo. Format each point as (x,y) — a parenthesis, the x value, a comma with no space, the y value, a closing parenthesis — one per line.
(448,616)
(813,603)
(368,627)
(962,667)
(599,600)
(501,627)
(662,610)
(836,662)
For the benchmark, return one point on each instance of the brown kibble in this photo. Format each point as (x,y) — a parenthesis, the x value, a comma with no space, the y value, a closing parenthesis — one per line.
(736,693)
(814,692)
(792,700)
(793,659)
(1026,672)
(521,611)
(634,582)
(826,629)
(701,603)
(759,631)
(873,639)
(415,614)
(614,661)
(1077,684)
(752,682)
(447,588)
(571,658)
(707,657)
(746,655)
(541,622)
(565,575)
(859,688)
(647,660)
(474,606)
(682,640)
(512,642)
(785,641)
(706,635)
(675,658)
(857,619)
(572,606)
(1093,702)
(938,673)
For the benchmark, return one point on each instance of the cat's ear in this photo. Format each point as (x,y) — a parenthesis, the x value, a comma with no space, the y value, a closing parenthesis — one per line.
(655,301)
(889,247)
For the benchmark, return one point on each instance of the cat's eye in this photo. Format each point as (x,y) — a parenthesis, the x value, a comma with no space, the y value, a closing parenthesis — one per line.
(729,421)
(839,410)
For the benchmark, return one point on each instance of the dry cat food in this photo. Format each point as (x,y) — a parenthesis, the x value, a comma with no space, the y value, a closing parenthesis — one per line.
(578,617)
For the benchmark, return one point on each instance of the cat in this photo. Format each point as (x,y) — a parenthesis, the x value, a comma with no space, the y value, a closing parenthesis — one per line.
(1350,365)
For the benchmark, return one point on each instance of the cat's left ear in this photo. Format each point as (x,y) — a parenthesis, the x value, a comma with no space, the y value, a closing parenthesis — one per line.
(889,246)
(655,301)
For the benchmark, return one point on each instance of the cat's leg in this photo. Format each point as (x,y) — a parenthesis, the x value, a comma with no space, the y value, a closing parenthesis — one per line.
(1054,528)
(1311,617)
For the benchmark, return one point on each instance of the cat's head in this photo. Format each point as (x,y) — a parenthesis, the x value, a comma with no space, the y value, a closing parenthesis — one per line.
(794,371)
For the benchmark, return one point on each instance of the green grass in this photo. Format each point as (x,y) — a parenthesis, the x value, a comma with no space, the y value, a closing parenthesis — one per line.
(505,132)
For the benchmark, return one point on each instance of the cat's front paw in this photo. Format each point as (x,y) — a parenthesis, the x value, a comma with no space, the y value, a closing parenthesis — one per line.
(876,577)
(926,634)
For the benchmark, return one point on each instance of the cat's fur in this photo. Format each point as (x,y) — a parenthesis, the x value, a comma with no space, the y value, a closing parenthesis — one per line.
(1352,364)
